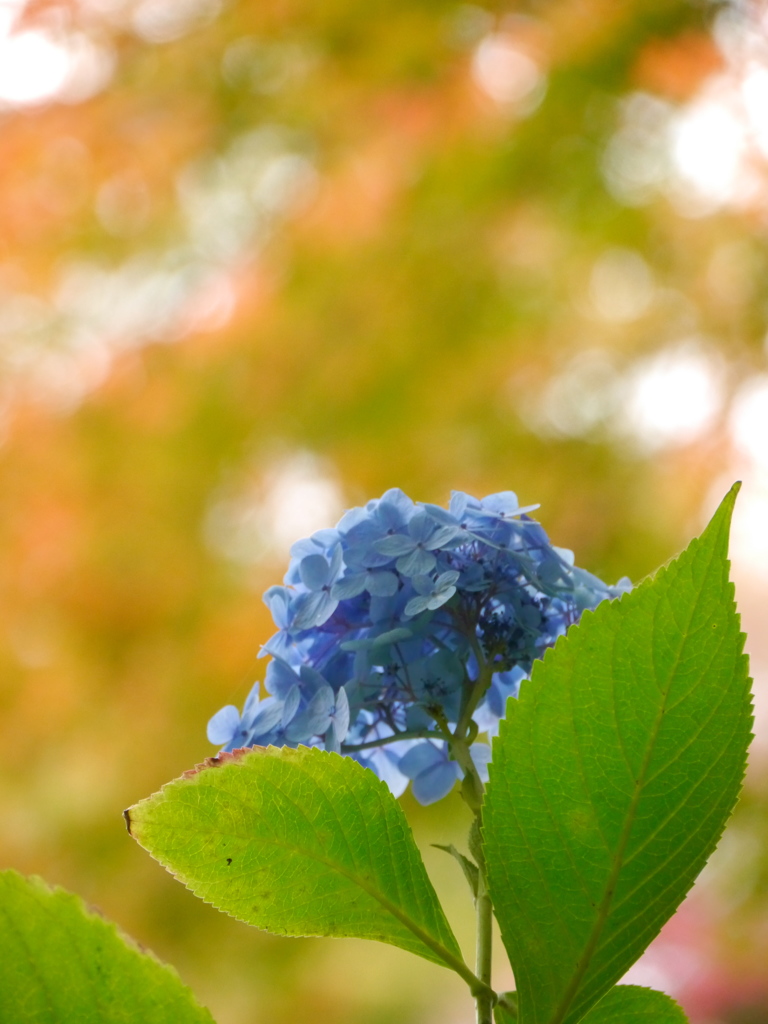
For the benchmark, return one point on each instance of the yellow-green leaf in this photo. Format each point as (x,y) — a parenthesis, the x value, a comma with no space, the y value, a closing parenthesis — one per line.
(298,842)
(61,964)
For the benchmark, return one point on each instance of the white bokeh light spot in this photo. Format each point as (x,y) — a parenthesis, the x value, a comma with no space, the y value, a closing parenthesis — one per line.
(673,397)
(271,508)
(748,421)
(708,148)
(503,71)
(33,68)
(38,66)
(754,90)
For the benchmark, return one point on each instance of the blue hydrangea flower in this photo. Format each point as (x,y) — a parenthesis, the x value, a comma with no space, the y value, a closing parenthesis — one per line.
(404,631)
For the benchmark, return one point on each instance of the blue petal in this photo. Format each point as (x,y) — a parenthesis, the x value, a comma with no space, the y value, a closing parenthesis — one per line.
(319,710)
(278,600)
(341,715)
(369,558)
(325,609)
(307,546)
(270,712)
(327,538)
(312,681)
(351,518)
(503,502)
(394,509)
(481,758)
(385,764)
(458,504)
(447,579)
(417,563)
(438,599)
(439,514)
(623,586)
(223,726)
(315,572)
(435,783)
(421,527)
(420,758)
(363,533)
(416,606)
(279,645)
(280,678)
(314,719)
(336,561)
(314,609)
(332,739)
(290,705)
(383,609)
(251,703)
(381,583)
(494,703)
(442,536)
(348,587)
(423,585)
(392,547)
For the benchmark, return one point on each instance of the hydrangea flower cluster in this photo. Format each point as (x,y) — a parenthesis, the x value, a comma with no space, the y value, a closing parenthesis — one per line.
(403,631)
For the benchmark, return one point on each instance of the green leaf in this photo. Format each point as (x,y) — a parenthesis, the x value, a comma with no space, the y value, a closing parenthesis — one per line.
(613,777)
(298,842)
(631,1004)
(60,963)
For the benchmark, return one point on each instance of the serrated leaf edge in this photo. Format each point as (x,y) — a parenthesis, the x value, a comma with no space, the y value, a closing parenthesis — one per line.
(94,914)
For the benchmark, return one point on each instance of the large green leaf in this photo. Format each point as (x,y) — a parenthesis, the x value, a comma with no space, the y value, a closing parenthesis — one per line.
(623,1004)
(60,964)
(298,842)
(613,777)
(631,1004)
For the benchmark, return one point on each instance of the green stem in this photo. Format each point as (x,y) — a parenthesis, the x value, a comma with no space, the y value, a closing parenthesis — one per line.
(484,1000)
(482,683)
(414,734)
(473,791)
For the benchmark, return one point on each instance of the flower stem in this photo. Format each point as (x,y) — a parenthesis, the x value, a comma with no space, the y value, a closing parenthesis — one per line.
(481,684)
(414,734)
(484,912)
(473,790)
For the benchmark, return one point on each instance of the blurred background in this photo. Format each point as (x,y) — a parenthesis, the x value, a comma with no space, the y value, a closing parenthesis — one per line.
(261,261)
